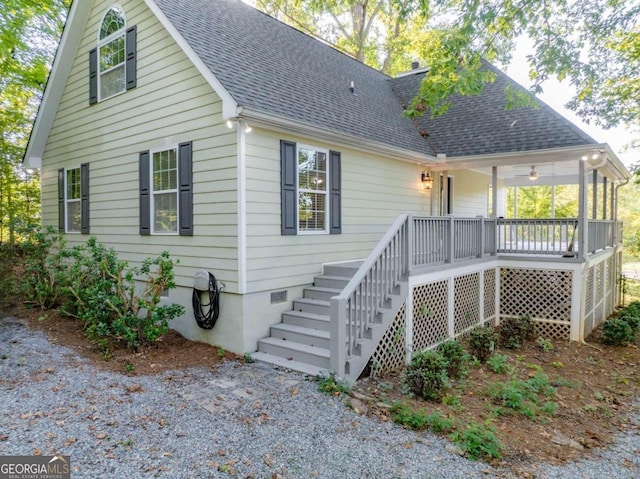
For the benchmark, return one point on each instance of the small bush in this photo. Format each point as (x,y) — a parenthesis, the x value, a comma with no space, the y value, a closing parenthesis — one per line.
(479,441)
(332,385)
(617,332)
(632,320)
(545,344)
(526,397)
(426,375)
(418,419)
(499,363)
(515,331)
(455,356)
(482,342)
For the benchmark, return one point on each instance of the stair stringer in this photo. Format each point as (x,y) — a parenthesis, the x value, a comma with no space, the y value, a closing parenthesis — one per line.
(356,364)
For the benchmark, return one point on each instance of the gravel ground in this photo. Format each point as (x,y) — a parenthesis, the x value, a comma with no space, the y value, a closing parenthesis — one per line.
(241,420)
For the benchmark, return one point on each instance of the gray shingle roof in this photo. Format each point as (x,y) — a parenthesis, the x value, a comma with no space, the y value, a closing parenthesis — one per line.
(480,125)
(268,66)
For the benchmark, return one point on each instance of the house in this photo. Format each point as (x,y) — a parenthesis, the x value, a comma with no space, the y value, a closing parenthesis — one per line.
(343,233)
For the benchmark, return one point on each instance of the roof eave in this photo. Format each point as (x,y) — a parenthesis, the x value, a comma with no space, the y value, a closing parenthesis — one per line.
(62,63)
(612,164)
(272,122)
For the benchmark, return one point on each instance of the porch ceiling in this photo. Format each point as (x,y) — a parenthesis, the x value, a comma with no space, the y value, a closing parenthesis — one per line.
(554,166)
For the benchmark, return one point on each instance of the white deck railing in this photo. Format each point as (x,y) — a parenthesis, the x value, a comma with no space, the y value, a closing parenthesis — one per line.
(552,236)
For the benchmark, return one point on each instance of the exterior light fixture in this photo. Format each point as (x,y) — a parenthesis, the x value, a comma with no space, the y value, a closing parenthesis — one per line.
(533,174)
(229,124)
(427,180)
(247,128)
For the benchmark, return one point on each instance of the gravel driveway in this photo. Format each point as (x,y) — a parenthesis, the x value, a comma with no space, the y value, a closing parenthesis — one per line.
(241,420)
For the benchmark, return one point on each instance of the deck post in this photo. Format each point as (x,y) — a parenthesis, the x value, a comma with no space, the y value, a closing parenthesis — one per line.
(338,328)
(604,197)
(578,300)
(409,326)
(451,311)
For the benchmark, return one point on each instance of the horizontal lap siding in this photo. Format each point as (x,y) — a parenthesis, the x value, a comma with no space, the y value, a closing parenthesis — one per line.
(470,193)
(171,104)
(375,190)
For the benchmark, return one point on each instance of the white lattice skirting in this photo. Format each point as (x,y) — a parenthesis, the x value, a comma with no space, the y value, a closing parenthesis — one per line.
(451,306)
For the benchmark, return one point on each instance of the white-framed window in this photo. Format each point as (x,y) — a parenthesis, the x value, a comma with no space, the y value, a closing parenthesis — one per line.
(313,189)
(72,200)
(112,53)
(164,190)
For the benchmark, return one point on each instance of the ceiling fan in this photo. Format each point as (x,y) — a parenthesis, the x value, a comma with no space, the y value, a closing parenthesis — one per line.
(533,174)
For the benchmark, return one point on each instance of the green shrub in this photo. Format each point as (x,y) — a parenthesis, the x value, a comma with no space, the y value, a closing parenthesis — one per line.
(617,332)
(632,320)
(482,342)
(479,441)
(455,356)
(526,397)
(46,269)
(545,344)
(418,419)
(332,385)
(499,363)
(426,375)
(515,331)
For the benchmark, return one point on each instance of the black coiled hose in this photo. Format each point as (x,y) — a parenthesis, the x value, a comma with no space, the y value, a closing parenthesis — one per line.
(207,319)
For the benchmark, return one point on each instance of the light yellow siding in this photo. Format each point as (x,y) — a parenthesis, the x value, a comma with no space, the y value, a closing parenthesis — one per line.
(375,190)
(171,104)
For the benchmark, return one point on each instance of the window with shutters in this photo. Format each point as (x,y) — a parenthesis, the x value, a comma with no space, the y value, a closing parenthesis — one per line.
(164,191)
(73,207)
(112,53)
(313,204)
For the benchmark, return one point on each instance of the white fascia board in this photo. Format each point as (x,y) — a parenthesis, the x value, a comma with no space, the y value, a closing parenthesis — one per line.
(229,105)
(62,63)
(280,124)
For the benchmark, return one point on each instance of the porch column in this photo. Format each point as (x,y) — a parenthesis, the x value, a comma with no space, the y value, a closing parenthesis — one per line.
(444,188)
(612,202)
(582,209)
(594,192)
(553,200)
(494,192)
(604,197)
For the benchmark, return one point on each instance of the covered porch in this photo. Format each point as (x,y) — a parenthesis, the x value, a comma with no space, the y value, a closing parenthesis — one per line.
(444,275)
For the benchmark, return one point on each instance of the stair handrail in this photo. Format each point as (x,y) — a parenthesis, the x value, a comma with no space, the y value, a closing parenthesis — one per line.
(390,261)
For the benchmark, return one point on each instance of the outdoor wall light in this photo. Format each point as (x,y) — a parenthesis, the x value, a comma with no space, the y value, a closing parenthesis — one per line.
(427,180)
(533,174)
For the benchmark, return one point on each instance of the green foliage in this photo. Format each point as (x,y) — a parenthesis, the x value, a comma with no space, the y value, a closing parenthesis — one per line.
(499,363)
(526,397)
(545,344)
(332,385)
(454,354)
(514,331)
(617,332)
(418,419)
(45,277)
(479,441)
(426,375)
(482,342)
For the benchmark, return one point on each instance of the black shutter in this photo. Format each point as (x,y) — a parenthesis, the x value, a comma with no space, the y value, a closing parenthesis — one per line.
(335,192)
(185,177)
(145,194)
(130,66)
(288,195)
(93,76)
(61,217)
(84,198)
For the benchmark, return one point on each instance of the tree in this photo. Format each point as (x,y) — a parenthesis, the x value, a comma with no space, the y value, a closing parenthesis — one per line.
(594,44)
(29,33)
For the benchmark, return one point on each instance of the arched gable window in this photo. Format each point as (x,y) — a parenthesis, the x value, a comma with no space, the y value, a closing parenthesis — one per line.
(112,64)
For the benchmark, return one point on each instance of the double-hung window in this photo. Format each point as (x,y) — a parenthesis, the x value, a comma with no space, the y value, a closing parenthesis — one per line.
(73,183)
(310,190)
(313,204)
(111,54)
(73,199)
(112,64)
(164,190)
